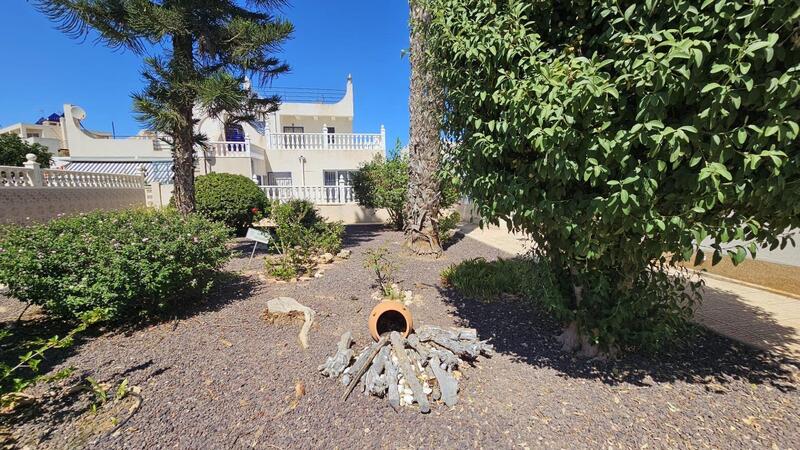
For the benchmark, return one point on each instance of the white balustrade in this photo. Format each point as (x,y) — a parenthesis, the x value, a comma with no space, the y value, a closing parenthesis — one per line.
(229,149)
(33,176)
(15,176)
(320,195)
(326,141)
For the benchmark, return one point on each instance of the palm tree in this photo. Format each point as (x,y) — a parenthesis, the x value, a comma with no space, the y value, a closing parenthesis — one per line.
(211,47)
(424,147)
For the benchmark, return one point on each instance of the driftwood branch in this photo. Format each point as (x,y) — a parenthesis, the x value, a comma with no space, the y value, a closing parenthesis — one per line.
(409,373)
(335,365)
(365,364)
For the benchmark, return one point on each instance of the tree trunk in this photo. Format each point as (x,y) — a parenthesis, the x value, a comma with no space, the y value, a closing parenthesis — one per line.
(425,108)
(183,70)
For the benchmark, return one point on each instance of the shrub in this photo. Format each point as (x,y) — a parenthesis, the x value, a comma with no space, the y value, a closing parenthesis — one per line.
(13,151)
(616,132)
(300,236)
(447,225)
(383,183)
(486,280)
(231,199)
(121,263)
(297,224)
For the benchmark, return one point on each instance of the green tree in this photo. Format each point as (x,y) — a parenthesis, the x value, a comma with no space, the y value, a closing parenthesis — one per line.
(619,132)
(13,151)
(211,47)
(424,147)
(383,183)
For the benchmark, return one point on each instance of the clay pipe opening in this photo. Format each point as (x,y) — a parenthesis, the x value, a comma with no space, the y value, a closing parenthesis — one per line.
(390,316)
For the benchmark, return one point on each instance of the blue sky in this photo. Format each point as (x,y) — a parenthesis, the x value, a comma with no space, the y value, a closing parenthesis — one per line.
(42,68)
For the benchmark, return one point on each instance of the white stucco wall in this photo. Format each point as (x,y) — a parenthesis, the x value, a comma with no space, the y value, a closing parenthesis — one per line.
(316,161)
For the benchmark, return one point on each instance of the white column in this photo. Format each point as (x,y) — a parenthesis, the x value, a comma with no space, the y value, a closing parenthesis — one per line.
(325,136)
(383,139)
(36,169)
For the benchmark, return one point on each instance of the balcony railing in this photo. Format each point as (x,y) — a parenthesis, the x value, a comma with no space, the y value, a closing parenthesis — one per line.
(319,195)
(327,141)
(228,149)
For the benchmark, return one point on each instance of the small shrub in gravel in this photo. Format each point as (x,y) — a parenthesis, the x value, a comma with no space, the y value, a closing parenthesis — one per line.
(234,200)
(297,224)
(300,236)
(447,226)
(486,280)
(122,263)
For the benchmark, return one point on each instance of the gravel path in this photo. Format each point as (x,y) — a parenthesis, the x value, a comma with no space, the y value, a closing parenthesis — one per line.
(221,377)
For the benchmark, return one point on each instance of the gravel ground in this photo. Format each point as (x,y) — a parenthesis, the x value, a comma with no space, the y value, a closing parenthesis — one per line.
(221,377)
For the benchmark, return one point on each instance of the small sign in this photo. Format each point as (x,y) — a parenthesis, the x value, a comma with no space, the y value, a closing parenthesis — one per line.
(258,236)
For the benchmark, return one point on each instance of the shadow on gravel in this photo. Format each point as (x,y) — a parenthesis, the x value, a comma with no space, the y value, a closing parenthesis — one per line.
(526,333)
(355,235)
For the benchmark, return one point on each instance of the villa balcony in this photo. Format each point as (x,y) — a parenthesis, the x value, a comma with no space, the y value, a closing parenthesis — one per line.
(232,149)
(318,195)
(327,141)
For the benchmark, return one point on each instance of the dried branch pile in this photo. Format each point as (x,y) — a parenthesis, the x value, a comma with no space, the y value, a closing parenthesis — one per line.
(421,369)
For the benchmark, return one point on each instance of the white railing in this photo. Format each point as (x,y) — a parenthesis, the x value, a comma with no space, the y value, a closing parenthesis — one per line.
(228,149)
(68,178)
(15,176)
(32,175)
(327,141)
(320,195)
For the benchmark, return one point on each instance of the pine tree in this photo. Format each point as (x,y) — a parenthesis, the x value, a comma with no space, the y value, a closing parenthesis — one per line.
(211,47)
(425,108)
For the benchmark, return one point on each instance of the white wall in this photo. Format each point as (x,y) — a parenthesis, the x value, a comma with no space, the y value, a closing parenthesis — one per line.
(38,204)
(316,162)
(88,146)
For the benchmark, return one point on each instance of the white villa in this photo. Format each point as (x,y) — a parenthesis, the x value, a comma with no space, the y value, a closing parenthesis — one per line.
(307,149)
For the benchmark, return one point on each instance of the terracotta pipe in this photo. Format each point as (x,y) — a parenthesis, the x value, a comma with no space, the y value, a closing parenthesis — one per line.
(390,315)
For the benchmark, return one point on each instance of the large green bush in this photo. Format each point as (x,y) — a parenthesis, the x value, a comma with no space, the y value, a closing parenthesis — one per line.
(383,183)
(617,131)
(122,263)
(13,151)
(228,198)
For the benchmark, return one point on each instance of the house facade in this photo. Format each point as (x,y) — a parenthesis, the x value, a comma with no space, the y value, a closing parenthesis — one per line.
(307,149)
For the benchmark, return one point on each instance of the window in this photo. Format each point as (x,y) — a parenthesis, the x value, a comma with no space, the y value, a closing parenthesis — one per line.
(293,129)
(279,178)
(331,137)
(338,177)
(234,133)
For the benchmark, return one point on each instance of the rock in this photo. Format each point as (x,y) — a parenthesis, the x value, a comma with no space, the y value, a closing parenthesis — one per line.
(325,258)
(344,254)
(285,306)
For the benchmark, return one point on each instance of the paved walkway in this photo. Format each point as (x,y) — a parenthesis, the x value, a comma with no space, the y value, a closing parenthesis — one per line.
(754,316)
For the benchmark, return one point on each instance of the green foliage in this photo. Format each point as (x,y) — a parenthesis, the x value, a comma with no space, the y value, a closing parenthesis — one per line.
(617,131)
(486,280)
(447,224)
(234,200)
(301,235)
(297,224)
(377,260)
(383,183)
(13,151)
(26,372)
(120,263)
